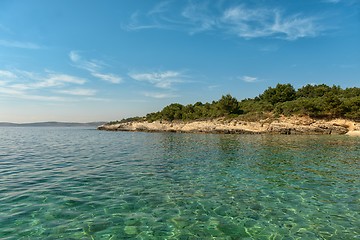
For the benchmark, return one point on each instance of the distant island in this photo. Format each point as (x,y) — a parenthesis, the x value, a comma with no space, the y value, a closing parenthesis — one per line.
(51,124)
(312,109)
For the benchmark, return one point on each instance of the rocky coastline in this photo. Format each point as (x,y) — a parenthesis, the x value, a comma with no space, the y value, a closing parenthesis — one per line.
(282,125)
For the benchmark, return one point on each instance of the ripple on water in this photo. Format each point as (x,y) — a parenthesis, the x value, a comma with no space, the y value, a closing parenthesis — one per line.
(76,183)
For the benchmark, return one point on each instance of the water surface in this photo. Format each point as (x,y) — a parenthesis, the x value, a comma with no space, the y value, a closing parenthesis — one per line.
(78,183)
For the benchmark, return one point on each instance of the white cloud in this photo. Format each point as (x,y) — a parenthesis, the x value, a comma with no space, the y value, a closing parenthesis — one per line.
(19,94)
(89,65)
(55,77)
(29,80)
(155,76)
(199,16)
(44,98)
(96,99)
(163,80)
(17,44)
(38,86)
(74,56)
(257,23)
(249,79)
(238,20)
(332,1)
(211,87)
(135,24)
(6,75)
(20,86)
(11,91)
(79,92)
(93,67)
(107,77)
(58,79)
(160,8)
(159,95)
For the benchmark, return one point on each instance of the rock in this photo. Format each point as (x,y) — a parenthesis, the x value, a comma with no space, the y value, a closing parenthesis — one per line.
(283,125)
(353,133)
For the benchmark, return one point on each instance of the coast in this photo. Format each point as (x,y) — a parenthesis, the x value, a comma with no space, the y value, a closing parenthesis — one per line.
(282,125)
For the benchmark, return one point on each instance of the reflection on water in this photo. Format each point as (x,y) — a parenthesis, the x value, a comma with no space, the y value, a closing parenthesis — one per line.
(75,183)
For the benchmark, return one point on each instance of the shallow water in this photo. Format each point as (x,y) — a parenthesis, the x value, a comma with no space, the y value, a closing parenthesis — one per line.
(77,183)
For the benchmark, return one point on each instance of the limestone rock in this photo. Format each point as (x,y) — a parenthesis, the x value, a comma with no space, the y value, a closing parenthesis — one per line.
(283,125)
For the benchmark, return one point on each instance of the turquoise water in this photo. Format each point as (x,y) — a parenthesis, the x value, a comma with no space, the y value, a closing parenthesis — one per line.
(77,183)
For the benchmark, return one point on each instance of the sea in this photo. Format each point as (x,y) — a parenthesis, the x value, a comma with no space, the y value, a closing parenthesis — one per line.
(81,183)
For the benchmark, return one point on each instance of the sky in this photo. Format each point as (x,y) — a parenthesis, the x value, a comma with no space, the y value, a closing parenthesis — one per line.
(94,60)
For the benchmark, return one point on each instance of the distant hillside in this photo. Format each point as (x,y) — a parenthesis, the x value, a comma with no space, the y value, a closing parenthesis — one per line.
(51,124)
(7,124)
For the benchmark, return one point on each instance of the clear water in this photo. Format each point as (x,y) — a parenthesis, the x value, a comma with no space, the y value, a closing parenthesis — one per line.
(76,183)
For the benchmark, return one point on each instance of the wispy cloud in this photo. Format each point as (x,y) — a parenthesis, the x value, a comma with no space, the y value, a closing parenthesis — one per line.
(57,79)
(74,56)
(11,91)
(40,86)
(20,94)
(18,44)
(89,65)
(199,15)
(344,2)
(249,79)
(97,99)
(255,23)
(135,24)
(43,98)
(239,20)
(211,87)
(332,1)
(79,92)
(163,80)
(140,21)
(159,95)
(94,68)
(112,78)
(29,80)
(160,8)
(7,74)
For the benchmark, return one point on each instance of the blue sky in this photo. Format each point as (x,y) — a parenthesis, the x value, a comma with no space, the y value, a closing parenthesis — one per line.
(83,60)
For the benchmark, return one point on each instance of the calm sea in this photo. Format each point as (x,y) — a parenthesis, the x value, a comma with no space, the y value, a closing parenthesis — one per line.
(78,183)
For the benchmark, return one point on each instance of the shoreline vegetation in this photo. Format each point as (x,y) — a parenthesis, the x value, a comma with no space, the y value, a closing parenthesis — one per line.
(312,109)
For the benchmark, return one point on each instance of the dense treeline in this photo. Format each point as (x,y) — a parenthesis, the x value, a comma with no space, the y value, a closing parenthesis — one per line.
(317,101)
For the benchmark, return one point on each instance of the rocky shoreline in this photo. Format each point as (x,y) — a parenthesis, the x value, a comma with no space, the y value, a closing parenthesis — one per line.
(282,125)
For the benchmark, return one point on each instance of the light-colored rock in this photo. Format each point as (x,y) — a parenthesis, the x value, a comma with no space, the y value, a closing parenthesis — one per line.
(353,133)
(282,125)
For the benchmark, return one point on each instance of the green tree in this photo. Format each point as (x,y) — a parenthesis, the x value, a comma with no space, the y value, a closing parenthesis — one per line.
(351,92)
(172,112)
(228,105)
(312,100)
(313,91)
(352,106)
(333,104)
(281,93)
